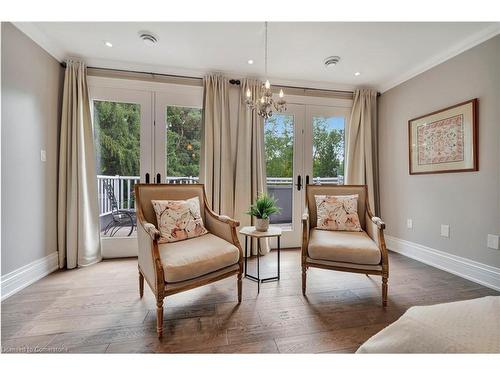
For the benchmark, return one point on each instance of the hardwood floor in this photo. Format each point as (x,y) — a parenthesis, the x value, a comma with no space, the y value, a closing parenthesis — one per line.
(97,309)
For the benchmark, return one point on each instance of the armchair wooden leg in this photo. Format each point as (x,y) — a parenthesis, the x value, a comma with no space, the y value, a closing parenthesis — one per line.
(240,286)
(304,280)
(159,318)
(141,285)
(384,291)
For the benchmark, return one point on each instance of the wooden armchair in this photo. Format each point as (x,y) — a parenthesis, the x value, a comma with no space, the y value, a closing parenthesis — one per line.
(174,267)
(358,252)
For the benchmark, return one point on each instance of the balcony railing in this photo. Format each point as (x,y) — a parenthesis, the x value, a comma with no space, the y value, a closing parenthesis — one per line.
(123,188)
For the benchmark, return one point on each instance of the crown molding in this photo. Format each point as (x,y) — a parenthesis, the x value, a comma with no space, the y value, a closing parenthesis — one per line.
(447,54)
(40,38)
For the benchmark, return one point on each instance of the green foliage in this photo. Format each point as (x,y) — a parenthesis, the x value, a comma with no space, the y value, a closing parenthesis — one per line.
(183,141)
(278,137)
(328,149)
(117,134)
(117,139)
(263,207)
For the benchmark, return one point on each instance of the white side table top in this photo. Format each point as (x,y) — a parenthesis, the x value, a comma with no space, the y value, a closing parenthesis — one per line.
(252,232)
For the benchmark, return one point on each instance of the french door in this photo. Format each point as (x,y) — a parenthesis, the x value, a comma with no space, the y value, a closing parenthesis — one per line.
(150,134)
(283,138)
(303,145)
(123,132)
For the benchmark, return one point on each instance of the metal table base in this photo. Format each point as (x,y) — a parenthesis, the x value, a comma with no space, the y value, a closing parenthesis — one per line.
(257,278)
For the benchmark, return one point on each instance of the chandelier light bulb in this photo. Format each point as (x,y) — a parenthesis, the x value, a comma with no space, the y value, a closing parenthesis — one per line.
(281,93)
(249,94)
(262,99)
(267,85)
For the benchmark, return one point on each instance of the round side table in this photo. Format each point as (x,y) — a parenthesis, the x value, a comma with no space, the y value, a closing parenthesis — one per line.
(253,233)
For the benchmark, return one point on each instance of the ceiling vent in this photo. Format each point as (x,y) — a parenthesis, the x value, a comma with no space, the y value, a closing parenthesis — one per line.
(148,38)
(331,61)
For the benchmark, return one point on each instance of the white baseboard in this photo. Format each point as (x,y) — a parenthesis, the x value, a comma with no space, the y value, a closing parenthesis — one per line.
(26,275)
(468,269)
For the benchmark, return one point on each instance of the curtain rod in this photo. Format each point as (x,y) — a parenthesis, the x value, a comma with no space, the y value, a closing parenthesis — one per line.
(231,81)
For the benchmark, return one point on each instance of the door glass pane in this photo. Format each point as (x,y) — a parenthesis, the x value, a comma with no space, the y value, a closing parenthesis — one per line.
(117,145)
(278,138)
(183,144)
(328,149)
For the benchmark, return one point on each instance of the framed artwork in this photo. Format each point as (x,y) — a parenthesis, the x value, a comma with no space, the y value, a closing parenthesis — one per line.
(445,140)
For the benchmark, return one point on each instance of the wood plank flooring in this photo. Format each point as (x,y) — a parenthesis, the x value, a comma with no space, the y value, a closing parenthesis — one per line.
(97,309)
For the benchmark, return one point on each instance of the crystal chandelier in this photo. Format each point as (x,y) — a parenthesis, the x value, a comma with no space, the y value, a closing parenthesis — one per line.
(265,104)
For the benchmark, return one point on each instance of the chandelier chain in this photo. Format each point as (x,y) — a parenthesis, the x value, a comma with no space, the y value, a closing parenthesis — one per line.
(265,53)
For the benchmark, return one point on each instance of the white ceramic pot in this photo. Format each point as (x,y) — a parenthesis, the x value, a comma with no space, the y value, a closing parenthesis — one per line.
(262,225)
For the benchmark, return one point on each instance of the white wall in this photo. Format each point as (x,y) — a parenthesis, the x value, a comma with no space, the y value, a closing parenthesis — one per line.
(31,95)
(469,202)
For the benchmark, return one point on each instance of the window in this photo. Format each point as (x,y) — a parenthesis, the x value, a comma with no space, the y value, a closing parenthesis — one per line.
(328,149)
(117,144)
(183,144)
(279,140)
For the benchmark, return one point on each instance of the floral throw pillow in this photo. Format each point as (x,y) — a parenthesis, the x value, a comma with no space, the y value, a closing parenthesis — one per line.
(338,212)
(179,219)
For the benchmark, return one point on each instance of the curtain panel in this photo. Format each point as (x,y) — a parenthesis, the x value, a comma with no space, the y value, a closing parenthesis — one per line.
(233,164)
(250,174)
(77,213)
(362,145)
(216,169)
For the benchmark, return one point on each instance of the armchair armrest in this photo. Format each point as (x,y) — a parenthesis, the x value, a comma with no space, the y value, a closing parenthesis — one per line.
(148,254)
(151,230)
(378,222)
(305,234)
(226,219)
(222,226)
(375,229)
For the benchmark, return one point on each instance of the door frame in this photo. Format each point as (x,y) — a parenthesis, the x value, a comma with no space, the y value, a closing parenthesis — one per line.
(115,247)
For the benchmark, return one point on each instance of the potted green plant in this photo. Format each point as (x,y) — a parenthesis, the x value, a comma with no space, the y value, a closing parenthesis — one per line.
(263,207)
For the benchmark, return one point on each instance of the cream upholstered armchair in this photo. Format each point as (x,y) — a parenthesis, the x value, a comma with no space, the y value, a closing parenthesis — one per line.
(359,252)
(174,267)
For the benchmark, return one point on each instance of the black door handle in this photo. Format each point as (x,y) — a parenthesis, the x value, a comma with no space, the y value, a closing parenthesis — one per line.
(147,178)
(307,179)
(158,178)
(299,182)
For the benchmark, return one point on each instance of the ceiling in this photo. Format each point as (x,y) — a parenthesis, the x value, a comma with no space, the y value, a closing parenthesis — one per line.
(385,54)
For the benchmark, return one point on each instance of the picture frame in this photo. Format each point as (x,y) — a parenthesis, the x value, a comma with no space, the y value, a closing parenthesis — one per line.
(444,141)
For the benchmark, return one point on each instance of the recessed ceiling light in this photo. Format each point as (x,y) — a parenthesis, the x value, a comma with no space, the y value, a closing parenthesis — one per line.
(331,61)
(250,62)
(357,74)
(148,38)
(108,44)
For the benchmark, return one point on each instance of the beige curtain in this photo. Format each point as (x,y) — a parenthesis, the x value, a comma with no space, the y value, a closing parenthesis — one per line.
(250,173)
(361,141)
(217,171)
(77,214)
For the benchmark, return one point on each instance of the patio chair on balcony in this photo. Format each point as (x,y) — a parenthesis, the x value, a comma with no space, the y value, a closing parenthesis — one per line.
(120,218)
